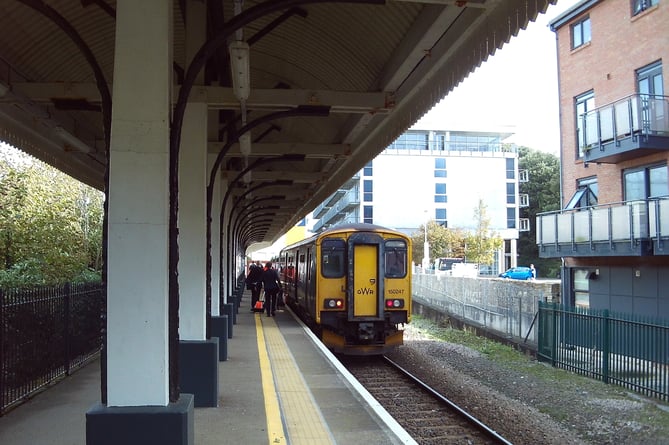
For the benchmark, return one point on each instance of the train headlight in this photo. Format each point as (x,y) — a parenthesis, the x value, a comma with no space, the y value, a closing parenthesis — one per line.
(394,303)
(334,303)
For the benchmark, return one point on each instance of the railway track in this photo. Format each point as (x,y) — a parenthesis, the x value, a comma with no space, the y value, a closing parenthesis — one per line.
(427,416)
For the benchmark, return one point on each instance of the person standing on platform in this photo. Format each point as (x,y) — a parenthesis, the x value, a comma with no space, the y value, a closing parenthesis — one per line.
(254,282)
(272,285)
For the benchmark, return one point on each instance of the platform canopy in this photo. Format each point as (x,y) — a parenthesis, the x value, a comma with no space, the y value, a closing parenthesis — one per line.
(321,86)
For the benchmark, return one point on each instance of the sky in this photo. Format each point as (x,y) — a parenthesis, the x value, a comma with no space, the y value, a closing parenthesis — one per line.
(515,90)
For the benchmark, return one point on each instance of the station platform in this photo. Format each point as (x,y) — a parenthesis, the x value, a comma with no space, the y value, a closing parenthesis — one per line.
(279,385)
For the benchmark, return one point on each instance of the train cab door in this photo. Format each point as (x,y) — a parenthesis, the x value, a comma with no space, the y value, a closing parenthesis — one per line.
(364,283)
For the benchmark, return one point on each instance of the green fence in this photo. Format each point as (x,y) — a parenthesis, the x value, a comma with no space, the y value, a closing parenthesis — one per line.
(621,349)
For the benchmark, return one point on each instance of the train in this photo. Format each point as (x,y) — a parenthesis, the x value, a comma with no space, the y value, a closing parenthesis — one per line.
(351,285)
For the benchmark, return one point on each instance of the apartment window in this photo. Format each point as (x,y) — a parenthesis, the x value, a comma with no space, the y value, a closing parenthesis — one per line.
(440,192)
(368,190)
(649,80)
(586,194)
(510,168)
(440,217)
(641,5)
(510,218)
(646,182)
(368,214)
(368,170)
(440,168)
(581,286)
(580,33)
(583,103)
(510,193)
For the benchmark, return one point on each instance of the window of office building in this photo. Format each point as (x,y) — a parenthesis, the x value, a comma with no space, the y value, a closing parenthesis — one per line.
(440,217)
(641,5)
(440,192)
(645,182)
(440,142)
(411,140)
(368,190)
(580,33)
(440,168)
(510,168)
(368,214)
(510,193)
(586,195)
(368,170)
(510,217)
(583,103)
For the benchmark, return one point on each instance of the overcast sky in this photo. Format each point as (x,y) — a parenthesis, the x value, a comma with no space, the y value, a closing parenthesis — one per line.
(515,90)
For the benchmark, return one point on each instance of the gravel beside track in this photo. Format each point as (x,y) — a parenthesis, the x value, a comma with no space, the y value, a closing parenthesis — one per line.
(528,402)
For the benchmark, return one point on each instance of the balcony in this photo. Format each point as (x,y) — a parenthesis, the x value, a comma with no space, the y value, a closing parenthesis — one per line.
(633,228)
(631,127)
(340,209)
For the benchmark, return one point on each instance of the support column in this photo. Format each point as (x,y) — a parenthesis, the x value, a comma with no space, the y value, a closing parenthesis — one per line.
(192,223)
(138,409)
(198,364)
(219,322)
(215,239)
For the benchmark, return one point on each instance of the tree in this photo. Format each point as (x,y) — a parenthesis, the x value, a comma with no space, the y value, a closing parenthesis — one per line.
(482,243)
(443,242)
(50,225)
(543,190)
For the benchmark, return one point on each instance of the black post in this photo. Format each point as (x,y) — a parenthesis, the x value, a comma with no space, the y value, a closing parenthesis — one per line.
(66,325)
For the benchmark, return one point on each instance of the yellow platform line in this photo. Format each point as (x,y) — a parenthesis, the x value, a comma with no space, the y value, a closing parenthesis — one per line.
(275,431)
(301,416)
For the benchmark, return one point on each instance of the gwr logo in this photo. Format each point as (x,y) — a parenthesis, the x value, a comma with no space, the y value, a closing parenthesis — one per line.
(365,291)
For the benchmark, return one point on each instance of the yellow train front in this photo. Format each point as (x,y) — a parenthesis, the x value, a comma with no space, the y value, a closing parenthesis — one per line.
(352,285)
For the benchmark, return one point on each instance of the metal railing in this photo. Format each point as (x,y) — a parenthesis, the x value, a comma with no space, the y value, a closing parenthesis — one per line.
(622,349)
(635,114)
(628,221)
(45,333)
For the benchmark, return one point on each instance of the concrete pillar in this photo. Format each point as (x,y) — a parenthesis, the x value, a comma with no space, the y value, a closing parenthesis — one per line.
(192,223)
(137,288)
(138,239)
(198,355)
(215,238)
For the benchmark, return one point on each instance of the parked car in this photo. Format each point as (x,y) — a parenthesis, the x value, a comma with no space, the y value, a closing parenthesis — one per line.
(518,273)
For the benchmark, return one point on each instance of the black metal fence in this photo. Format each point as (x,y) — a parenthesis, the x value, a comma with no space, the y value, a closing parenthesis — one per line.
(623,349)
(45,333)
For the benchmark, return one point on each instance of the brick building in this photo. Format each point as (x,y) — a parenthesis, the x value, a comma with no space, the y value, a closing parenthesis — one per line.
(613,231)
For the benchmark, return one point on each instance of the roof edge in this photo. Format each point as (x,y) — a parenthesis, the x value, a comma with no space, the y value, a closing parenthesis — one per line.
(570,13)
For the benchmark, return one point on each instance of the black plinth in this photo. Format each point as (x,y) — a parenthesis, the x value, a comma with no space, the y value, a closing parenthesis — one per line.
(198,370)
(139,425)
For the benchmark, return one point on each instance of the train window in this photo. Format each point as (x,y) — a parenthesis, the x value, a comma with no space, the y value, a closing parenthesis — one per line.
(333,256)
(396,259)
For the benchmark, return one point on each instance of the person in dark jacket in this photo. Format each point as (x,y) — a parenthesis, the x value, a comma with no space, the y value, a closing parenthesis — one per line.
(254,282)
(272,285)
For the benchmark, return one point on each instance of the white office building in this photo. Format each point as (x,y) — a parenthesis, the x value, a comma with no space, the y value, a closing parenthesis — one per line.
(436,175)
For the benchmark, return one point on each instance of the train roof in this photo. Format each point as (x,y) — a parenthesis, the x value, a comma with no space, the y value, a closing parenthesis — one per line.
(356,227)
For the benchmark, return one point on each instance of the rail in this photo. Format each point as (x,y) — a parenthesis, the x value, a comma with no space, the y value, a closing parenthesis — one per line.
(45,334)
(622,349)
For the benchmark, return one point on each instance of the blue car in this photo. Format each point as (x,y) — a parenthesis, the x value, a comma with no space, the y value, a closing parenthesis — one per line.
(518,273)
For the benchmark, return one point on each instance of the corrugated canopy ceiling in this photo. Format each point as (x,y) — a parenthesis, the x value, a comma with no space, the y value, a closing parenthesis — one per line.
(374,67)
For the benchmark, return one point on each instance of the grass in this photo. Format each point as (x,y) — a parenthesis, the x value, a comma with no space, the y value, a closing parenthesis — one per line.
(653,412)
